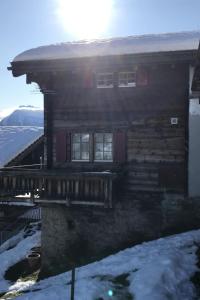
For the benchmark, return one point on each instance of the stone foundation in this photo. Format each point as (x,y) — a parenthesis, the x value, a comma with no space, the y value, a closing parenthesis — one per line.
(79,235)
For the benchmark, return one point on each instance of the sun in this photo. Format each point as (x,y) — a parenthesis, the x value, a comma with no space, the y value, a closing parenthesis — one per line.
(85,18)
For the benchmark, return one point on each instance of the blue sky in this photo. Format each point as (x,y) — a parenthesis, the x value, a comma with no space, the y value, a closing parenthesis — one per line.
(26,24)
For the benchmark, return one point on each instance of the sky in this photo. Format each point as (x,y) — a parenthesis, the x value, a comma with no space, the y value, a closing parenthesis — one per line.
(26,24)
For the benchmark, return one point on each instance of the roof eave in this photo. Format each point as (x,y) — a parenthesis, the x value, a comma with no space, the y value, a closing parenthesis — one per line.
(19,68)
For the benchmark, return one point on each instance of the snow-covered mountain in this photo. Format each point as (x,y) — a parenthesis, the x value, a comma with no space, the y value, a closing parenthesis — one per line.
(24,116)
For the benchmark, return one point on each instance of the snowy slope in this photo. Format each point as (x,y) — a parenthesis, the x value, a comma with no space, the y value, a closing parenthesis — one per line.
(115,46)
(13,140)
(157,270)
(24,116)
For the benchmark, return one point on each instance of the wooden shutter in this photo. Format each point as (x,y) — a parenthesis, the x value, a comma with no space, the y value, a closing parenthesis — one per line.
(141,76)
(88,79)
(119,146)
(68,146)
(63,146)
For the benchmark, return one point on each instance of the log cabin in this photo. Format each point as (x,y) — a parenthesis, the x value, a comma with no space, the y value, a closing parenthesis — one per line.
(116,143)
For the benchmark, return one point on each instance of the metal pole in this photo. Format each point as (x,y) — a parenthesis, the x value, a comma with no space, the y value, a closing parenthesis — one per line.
(73,283)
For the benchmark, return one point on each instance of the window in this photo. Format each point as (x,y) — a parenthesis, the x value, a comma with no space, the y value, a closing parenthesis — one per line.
(104,80)
(80,146)
(127,79)
(92,147)
(103,146)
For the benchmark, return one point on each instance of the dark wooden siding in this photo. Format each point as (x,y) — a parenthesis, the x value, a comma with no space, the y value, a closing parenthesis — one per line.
(143,112)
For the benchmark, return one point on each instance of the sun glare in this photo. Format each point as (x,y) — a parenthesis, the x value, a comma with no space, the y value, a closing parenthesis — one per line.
(85,18)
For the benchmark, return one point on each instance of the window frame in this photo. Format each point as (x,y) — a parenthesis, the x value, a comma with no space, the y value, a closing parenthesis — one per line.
(104,86)
(81,145)
(92,146)
(104,142)
(128,85)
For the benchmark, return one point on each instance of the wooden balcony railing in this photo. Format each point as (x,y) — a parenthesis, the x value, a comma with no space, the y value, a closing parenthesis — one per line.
(85,188)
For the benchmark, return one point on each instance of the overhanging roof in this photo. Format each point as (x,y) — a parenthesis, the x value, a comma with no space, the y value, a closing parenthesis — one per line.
(117,46)
(151,45)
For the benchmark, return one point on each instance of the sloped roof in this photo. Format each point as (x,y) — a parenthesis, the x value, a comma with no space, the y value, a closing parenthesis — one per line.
(151,43)
(15,139)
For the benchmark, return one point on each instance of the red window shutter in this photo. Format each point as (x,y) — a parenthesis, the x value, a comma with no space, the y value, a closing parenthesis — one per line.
(63,146)
(88,79)
(119,146)
(68,146)
(141,77)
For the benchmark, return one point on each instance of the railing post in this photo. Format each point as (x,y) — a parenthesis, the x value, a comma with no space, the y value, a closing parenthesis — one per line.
(106,193)
(110,192)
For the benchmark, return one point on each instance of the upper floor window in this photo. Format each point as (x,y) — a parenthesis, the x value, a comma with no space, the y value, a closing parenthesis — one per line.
(104,80)
(80,146)
(127,79)
(103,148)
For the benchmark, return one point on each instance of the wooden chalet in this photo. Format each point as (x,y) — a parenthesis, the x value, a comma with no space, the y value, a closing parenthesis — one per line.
(116,142)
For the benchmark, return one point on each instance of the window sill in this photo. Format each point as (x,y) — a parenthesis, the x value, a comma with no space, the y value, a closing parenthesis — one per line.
(80,160)
(109,161)
(127,86)
(105,87)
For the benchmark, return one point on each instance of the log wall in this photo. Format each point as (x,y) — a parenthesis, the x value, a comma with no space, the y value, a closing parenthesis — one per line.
(143,113)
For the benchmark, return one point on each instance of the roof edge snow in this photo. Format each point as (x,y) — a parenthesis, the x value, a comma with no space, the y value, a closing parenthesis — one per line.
(137,44)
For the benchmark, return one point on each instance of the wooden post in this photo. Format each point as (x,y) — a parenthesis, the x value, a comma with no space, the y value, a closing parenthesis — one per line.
(73,283)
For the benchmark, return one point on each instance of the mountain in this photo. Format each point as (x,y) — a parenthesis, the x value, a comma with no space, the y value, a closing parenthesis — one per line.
(24,116)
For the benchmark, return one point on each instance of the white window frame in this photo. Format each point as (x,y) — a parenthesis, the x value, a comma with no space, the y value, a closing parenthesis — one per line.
(92,147)
(81,144)
(99,79)
(104,142)
(128,84)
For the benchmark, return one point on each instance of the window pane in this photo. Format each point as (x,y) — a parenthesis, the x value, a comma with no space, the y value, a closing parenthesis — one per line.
(76,147)
(85,137)
(127,79)
(76,155)
(85,147)
(85,155)
(99,137)
(108,147)
(76,137)
(99,147)
(108,137)
(98,155)
(107,156)
(104,79)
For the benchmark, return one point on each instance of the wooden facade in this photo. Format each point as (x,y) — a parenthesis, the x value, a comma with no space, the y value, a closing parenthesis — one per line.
(148,148)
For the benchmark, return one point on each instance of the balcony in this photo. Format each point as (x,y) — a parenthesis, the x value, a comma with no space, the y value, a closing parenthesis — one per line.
(59,187)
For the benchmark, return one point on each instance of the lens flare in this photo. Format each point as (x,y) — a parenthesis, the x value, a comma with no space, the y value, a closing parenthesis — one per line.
(85,18)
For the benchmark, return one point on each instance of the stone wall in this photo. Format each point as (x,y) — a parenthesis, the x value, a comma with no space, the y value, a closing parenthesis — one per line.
(81,235)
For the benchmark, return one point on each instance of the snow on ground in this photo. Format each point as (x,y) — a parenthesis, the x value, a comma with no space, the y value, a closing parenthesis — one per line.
(156,270)
(10,257)
(15,139)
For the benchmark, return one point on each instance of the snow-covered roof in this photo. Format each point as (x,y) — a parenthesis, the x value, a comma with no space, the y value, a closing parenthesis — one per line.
(115,46)
(15,139)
